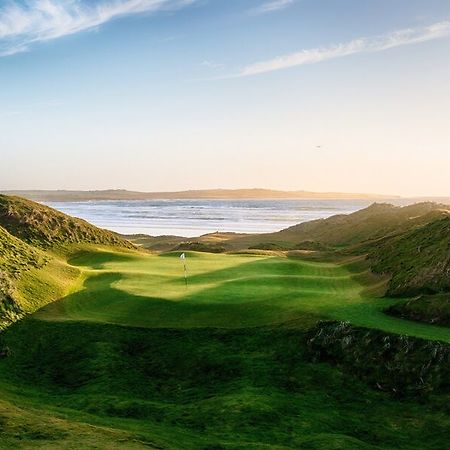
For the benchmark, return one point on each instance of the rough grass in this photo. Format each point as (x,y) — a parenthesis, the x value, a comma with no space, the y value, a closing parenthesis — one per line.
(433,309)
(199,389)
(17,256)
(362,227)
(418,261)
(16,260)
(33,427)
(198,246)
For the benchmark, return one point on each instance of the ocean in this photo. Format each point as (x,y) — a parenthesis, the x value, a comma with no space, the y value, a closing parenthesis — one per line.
(197,217)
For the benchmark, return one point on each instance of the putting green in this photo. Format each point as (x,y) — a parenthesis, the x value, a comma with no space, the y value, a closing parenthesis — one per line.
(232,291)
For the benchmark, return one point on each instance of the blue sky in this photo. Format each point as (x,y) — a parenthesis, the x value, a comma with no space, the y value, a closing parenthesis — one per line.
(324,95)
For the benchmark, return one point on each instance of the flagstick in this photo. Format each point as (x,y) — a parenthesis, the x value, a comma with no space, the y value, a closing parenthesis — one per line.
(183,258)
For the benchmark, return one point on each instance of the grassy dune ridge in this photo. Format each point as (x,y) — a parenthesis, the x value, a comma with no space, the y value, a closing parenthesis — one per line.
(418,260)
(378,221)
(45,227)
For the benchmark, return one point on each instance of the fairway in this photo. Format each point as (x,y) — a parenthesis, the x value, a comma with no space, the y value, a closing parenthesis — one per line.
(225,291)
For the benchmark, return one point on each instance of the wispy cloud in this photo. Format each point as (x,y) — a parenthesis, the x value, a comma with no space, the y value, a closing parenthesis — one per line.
(212,64)
(362,45)
(271,6)
(25,23)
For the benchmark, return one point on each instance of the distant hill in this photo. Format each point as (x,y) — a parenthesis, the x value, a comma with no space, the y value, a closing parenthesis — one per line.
(42,226)
(120,194)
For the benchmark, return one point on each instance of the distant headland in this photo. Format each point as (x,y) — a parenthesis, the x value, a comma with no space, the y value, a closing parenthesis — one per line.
(213,194)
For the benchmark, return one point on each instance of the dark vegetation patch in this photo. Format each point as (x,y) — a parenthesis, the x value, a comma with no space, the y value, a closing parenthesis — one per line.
(418,261)
(275,246)
(288,246)
(195,246)
(402,365)
(311,245)
(434,309)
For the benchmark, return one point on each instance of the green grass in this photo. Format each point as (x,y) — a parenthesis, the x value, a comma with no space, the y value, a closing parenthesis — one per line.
(29,278)
(131,358)
(228,291)
(249,388)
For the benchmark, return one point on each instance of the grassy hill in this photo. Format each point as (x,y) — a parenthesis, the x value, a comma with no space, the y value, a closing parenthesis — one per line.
(419,261)
(35,242)
(365,226)
(45,227)
(419,265)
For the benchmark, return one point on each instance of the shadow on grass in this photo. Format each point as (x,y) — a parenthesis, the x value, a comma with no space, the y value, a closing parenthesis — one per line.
(97,260)
(226,305)
(260,292)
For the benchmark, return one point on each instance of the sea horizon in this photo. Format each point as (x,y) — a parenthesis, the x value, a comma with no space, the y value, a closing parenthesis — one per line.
(195,217)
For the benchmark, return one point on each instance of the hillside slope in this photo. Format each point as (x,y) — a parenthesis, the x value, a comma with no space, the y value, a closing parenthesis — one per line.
(376,221)
(380,220)
(16,257)
(34,243)
(42,226)
(419,261)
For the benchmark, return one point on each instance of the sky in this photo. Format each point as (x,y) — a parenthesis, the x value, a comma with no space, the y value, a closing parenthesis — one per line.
(162,95)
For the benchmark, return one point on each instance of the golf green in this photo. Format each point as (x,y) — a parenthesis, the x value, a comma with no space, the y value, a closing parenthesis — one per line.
(230,291)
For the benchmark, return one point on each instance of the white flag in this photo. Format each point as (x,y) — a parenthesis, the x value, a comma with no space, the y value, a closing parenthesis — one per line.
(182,256)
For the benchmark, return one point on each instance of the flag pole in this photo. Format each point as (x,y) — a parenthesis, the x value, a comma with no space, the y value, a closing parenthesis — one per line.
(183,258)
